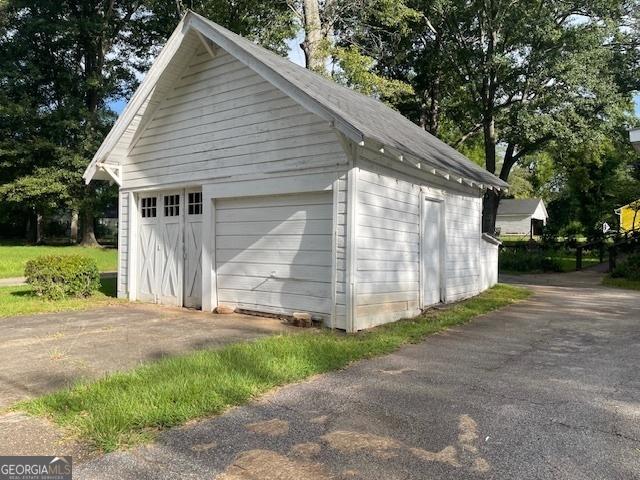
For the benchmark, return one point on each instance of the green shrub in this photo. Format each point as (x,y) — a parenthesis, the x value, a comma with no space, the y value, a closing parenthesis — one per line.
(629,268)
(59,276)
(521,260)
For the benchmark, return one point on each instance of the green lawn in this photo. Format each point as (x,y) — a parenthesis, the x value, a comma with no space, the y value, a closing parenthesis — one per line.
(127,408)
(22,301)
(568,264)
(14,257)
(621,283)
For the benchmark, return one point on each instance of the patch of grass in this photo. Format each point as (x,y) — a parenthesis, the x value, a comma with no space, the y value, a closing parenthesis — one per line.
(127,408)
(21,300)
(13,258)
(621,283)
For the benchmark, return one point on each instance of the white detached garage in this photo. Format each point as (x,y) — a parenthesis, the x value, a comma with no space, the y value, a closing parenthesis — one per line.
(249,181)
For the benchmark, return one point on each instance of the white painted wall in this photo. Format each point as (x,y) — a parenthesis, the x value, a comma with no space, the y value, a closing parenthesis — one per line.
(514,224)
(388,239)
(222,120)
(387,249)
(463,213)
(488,264)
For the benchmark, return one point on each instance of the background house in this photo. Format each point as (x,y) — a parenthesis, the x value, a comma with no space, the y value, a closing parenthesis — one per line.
(521,216)
(249,181)
(629,216)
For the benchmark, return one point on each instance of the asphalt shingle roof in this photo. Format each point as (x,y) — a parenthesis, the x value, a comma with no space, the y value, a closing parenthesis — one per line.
(375,120)
(518,206)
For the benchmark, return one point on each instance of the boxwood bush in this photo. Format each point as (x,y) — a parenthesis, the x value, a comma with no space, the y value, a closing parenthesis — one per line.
(59,276)
(628,268)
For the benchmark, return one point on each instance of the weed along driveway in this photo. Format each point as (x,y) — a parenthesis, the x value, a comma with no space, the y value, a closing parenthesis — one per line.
(547,388)
(42,353)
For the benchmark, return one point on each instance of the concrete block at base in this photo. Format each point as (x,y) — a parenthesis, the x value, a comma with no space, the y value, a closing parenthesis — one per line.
(225,309)
(302,319)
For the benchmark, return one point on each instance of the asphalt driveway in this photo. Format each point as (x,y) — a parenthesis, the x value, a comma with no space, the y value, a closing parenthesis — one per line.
(42,353)
(546,389)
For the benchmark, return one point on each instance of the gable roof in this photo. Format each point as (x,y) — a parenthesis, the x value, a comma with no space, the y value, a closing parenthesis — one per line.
(520,206)
(356,116)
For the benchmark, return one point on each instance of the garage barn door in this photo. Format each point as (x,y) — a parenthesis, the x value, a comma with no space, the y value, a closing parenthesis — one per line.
(273,254)
(170,248)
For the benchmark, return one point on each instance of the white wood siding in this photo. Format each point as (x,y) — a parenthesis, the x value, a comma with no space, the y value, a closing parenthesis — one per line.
(514,224)
(388,231)
(273,253)
(488,264)
(463,215)
(222,120)
(123,245)
(388,249)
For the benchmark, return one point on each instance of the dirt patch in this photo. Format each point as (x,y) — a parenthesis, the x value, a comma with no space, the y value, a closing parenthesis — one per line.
(319,419)
(468,433)
(354,442)
(480,465)
(273,428)
(448,455)
(269,465)
(306,449)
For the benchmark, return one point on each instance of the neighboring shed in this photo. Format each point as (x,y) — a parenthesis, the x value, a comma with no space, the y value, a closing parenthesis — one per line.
(521,216)
(250,181)
(629,216)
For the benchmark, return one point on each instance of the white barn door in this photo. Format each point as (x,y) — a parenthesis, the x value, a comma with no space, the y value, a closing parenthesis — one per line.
(193,250)
(432,251)
(160,255)
(170,259)
(147,249)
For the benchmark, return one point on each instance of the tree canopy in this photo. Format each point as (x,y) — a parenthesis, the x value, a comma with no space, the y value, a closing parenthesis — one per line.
(538,92)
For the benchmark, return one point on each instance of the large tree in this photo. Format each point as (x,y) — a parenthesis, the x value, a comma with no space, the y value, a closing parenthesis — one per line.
(64,62)
(519,75)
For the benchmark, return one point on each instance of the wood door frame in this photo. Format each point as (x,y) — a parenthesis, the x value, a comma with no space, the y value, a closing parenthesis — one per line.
(429,196)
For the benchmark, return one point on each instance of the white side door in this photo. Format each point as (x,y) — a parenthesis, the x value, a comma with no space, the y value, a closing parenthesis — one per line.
(170,254)
(193,250)
(147,248)
(432,251)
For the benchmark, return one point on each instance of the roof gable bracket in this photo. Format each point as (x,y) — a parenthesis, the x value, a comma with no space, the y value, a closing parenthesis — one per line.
(114,171)
(208,45)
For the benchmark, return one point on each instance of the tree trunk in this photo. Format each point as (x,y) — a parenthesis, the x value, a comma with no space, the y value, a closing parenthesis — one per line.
(74,226)
(312,36)
(88,232)
(39,227)
(30,233)
(489,211)
(491,198)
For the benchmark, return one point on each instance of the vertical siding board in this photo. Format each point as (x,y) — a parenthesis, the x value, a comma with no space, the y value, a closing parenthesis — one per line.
(123,245)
